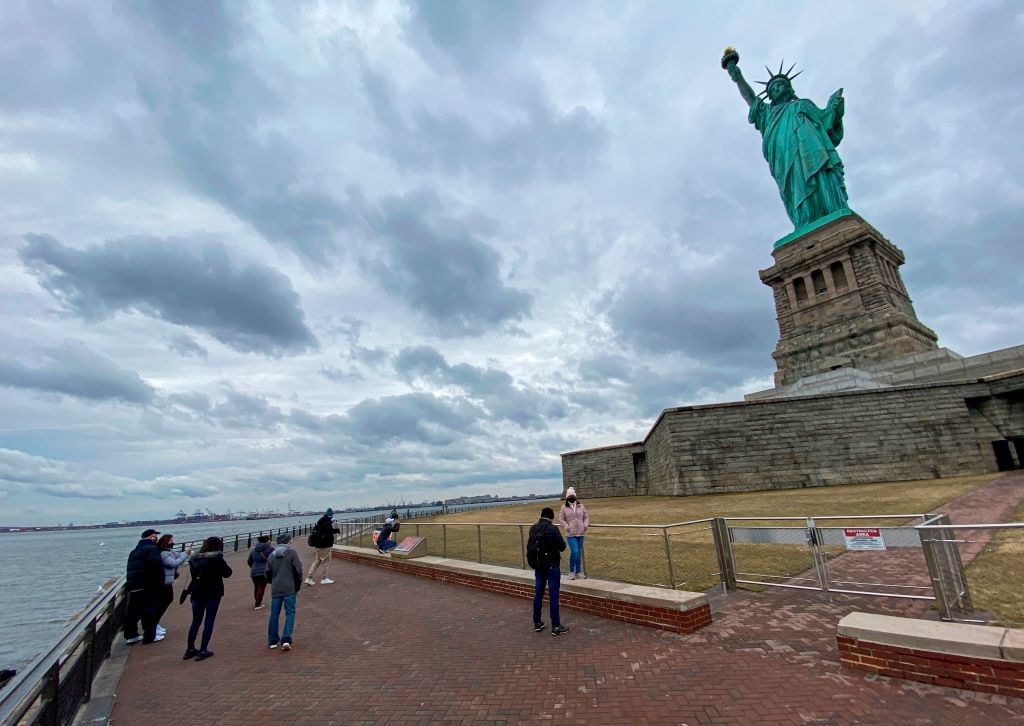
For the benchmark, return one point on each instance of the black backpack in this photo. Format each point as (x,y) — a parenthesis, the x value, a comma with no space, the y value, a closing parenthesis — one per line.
(536,546)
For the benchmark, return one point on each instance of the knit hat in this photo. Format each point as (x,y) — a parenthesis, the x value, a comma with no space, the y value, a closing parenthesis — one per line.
(570,492)
(329,512)
(284,538)
(547,513)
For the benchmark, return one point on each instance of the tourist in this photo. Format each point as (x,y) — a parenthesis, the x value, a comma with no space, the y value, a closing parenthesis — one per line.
(574,518)
(257,562)
(144,584)
(284,573)
(322,538)
(384,541)
(208,572)
(171,561)
(543,550)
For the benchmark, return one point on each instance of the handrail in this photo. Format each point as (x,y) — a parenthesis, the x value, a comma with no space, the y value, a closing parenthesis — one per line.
(1005,525)
(817,518)
(22,692)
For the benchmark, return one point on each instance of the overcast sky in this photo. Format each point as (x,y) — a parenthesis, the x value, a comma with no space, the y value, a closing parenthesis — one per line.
(362,252)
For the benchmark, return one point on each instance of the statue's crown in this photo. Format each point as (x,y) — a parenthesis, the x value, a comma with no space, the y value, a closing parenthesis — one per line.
(778,75)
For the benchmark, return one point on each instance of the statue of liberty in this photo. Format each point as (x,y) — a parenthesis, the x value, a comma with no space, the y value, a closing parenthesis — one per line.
(799,142)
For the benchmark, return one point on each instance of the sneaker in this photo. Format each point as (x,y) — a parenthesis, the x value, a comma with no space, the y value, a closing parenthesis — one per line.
(286,645)
(380,551)
(581,576)
(309,581)
(259,607)
(131,641)
(537,627)
(572,576)
(204,654)
(327,581)
(190,654)
(158,637)
(161,630)
(559,629)
(273,646)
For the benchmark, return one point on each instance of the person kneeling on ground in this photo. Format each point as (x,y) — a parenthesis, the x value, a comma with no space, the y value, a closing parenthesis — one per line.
(384,541)
(284,573)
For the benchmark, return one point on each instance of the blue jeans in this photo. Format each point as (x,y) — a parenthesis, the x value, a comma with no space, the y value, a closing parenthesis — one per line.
(386,545)
(575,554)
(275,614)
(203,610)
(552,577)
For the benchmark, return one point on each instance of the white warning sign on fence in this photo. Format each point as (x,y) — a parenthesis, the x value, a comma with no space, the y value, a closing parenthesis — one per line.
(863,538)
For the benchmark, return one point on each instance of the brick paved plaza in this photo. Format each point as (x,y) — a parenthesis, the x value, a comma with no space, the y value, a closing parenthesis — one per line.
(380,647)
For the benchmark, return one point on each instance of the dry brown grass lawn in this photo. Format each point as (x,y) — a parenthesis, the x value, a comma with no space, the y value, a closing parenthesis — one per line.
(638,554)
(996,575)
(909,497)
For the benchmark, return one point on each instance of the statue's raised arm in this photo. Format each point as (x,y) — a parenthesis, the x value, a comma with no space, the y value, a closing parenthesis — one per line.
(730,62)
(798,141)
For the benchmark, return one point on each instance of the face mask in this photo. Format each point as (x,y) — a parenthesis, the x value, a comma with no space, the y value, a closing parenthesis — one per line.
(572,500)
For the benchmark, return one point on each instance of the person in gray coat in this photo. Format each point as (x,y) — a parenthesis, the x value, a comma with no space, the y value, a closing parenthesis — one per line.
(284,573)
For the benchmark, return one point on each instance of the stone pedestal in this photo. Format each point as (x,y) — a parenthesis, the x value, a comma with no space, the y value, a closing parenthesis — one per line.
(840,301)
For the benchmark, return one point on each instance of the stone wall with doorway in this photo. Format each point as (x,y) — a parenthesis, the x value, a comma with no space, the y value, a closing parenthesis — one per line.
(889,434)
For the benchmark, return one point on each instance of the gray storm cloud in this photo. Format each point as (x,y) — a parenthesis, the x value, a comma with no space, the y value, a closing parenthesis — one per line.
(247,306)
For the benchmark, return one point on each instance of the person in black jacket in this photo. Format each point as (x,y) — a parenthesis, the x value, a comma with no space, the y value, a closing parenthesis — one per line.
(322,538)
(208,570)
(550,545)
(384,541)
(144,582)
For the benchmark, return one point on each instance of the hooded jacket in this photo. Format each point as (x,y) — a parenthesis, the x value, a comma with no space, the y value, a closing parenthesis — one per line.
(208,572)
(284,571)
(574,518)
(258,557)
(323,533)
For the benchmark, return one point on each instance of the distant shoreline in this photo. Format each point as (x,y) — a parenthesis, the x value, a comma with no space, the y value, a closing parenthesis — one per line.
(461,503)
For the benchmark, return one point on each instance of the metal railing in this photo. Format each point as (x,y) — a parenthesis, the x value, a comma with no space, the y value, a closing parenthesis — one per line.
(244,540)
(677,555)
(967,561)
(57,682)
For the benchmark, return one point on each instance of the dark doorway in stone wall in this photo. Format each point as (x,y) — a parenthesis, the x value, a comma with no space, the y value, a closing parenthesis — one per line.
(1008,453)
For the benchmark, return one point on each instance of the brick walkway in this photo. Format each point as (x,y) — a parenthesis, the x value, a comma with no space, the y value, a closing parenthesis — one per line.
(380,647)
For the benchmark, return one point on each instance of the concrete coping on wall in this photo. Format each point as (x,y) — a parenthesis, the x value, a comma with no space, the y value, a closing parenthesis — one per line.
(677,600)
(960,639)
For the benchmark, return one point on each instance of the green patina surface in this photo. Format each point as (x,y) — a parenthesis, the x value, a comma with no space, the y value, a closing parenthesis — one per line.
(816,224)
(799,142)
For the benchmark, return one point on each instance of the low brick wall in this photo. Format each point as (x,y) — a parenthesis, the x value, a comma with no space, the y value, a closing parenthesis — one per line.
(973,657)
(673,610)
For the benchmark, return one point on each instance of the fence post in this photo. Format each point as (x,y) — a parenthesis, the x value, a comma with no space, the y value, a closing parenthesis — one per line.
(522,545)
(724,553)
(946,569)
(479,545)
(89,646)
(236,543)
(668,557)
(444,540)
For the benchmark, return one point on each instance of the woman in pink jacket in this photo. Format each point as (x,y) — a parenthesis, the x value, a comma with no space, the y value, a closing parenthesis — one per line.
(576,521)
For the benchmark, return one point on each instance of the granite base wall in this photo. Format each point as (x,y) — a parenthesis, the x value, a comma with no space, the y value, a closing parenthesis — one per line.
(890,434)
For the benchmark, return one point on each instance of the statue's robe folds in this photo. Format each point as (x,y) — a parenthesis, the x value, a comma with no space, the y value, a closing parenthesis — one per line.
(799,143)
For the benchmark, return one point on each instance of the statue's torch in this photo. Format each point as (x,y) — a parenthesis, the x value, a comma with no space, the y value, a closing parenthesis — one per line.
(730,58)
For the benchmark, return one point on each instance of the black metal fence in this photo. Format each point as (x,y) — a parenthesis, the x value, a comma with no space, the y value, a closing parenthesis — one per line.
(55,685)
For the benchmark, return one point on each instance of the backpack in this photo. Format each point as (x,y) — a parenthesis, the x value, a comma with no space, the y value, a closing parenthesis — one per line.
(536,546)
